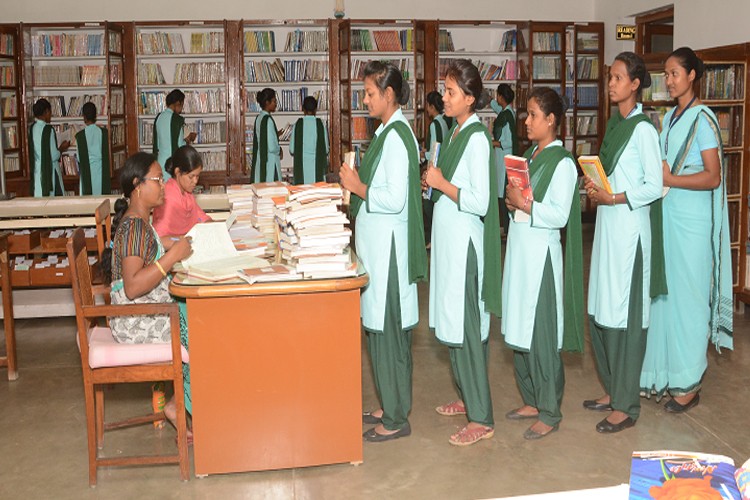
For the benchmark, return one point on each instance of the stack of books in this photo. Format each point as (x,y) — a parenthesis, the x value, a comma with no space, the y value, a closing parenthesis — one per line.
(253,203)
(312,233)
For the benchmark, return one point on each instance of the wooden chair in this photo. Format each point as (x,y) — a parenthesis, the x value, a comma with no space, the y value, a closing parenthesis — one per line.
(103,217)
(105,361)
(9,359)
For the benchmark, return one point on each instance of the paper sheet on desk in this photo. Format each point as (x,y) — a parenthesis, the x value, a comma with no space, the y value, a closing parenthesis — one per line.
(211,242)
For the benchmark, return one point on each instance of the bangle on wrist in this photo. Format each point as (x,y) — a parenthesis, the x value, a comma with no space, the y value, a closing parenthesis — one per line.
(161,269)
(525,203)
(613,199)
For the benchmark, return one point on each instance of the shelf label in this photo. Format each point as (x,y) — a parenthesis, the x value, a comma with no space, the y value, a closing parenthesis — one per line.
(625,32)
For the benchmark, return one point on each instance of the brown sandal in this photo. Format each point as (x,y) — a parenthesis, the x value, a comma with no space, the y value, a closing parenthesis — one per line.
(451,409)
(468,436)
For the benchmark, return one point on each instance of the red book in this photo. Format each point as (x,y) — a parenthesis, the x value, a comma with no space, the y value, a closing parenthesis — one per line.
(517,169)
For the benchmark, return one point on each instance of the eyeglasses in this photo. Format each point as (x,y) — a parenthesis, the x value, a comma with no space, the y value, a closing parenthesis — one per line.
(160,180)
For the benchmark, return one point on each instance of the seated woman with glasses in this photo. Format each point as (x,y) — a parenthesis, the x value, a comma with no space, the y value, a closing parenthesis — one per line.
(180,212)
(137,263)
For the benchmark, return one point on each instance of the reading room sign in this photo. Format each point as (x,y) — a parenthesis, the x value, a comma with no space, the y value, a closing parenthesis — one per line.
(626,32)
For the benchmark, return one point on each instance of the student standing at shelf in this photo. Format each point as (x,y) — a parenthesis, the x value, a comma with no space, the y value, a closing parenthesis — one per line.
(93,154)
(44,167)
(543,313)
(309,145)
(267,153)
(180,212)
(698,305)
(169,129)
(505,140)
(465,261)
(390,242)
(622,272)
(137,264)
(437,133)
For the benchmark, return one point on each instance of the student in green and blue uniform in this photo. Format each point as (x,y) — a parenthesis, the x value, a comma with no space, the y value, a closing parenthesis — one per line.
(437,132)
(387,211)
(44,154)
(542,313)
(698,305)
(505,140)
(309,145)
(465,261)
(169,130)
(93,154)
(267,153)
(622,273)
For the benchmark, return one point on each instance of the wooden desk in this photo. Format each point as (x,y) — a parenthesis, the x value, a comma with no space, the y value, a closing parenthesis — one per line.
(275,374)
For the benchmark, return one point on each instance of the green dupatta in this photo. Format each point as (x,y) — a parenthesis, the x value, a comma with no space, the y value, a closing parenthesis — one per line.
(450,155)
(175,129)
(261,150)
(47,174)
(541,171)
(618,134)
(320,151)
(84,164)
(415,229)
(721,298)
(506,117)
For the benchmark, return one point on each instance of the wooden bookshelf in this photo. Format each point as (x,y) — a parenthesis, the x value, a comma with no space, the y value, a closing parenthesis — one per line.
(13,135)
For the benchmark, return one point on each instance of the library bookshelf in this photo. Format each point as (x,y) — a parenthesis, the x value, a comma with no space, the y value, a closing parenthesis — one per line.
(11,102)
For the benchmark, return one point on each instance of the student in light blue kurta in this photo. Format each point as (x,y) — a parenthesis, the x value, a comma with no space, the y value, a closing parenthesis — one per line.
(465,259)
(386,205)
(542,297)
(169,133)
(267,154)
(505,140)
(437,133)
(620,289)
(698,305)
(309,145)
(46,177)
(93,155)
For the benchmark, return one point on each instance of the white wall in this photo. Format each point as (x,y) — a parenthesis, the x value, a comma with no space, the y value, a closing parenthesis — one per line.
(144,10)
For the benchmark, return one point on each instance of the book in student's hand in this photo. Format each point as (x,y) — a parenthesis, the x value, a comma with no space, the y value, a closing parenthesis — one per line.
(679,474)
(434,154)
(592,167)
(517,171)
(349,159)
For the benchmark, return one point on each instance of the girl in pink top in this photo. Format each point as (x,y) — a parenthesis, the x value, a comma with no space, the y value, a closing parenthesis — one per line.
(180,212)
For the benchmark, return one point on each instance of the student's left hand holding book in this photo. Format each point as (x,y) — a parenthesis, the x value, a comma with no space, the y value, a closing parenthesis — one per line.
(350,177)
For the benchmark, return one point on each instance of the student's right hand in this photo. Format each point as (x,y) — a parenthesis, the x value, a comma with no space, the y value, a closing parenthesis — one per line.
(181,248)
(191,137)
(64,146)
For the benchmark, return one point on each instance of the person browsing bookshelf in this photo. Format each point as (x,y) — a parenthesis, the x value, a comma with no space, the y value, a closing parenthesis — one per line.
(180,212)
(93,154)
(437,133)
(465,261)
(698,305)
(504,139)
(542,293)
(267,154)
(44,153)
(624,275)
(386,208)
(169,129)
(309,145)
(137,263)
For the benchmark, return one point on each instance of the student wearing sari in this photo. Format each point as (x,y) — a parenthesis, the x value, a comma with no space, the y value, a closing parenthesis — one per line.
(180,212)
(44,154)
(386,208)
(267,154)
(437,133)
(465,261)
(698,305)
(504,139)
(309,145)
(542,312)
(620,279)
(93,154)
(169,129)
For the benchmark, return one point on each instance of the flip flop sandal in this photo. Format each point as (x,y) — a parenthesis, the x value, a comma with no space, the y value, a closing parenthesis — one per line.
(451,409)
(467,437)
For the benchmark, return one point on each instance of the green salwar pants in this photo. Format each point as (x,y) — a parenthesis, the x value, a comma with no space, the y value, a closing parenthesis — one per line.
(390,354)
(469,361)
(539,372)
(619,352)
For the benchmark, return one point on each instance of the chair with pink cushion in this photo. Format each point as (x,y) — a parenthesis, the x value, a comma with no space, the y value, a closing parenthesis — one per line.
(105,361)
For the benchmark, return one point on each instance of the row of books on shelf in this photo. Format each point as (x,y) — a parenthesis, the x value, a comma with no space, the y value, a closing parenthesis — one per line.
(69,165)
(586,68)
(550,41)
(199,73)
(512,40)
(11,164)
(730,125)
(166,43)
(582,125)
(67,45)
(505,70)
(544,41)
(75,104)
(115,42)
(9,106)
(658,89)
(307,41)
(733,173)
(358,67)
(364,40)
(295,70)
(723,82)
(290,100)
(7,76)
(260,41)
(117,133)
(196,101)
(207,132)
(69,76)
(363,128)
(7,44)
(10,137)
(214,161)
(546,67)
